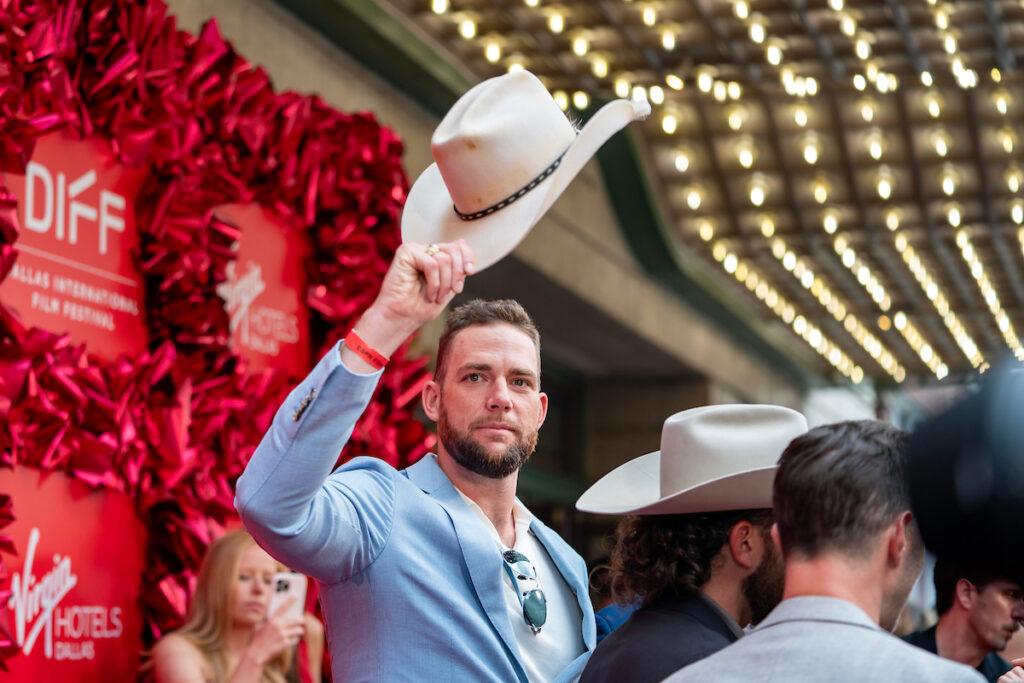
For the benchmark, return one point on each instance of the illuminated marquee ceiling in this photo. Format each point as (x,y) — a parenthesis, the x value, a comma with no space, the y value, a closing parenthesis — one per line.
(854,167)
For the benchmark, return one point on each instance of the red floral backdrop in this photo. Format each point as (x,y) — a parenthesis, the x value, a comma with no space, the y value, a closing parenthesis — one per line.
(174,427)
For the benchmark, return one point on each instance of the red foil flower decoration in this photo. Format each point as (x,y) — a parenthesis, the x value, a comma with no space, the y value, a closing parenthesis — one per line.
(175,427)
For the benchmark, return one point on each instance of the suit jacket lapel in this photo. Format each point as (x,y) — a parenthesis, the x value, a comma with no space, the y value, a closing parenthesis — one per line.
(550,541)
(478,550)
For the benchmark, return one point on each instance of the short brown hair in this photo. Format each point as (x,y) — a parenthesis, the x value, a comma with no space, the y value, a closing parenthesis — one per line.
(483,312)
(838,486)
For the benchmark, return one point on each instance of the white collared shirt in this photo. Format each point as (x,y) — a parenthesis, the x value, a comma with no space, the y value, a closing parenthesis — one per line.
(546,654)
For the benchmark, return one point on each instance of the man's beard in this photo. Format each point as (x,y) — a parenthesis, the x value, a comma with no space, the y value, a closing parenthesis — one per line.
(471,455)
(763,589)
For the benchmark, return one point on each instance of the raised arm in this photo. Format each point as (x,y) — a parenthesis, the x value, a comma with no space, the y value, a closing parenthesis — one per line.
(331,526)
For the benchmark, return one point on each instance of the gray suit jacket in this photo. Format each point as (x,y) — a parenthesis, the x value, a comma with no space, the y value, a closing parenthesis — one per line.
(823,639)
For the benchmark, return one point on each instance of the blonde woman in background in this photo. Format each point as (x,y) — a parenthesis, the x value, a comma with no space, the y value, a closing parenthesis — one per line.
(227,637)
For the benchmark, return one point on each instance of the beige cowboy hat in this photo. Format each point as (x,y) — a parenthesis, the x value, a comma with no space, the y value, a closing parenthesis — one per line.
(712,459)
(504,153)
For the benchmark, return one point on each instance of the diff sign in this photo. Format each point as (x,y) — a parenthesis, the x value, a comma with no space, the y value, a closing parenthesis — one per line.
(75,271)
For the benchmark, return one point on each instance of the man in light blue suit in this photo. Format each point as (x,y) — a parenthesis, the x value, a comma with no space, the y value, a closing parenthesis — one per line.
(436,572)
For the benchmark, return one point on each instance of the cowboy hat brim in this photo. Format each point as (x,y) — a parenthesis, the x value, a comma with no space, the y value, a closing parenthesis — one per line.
(429,216)
(633,489)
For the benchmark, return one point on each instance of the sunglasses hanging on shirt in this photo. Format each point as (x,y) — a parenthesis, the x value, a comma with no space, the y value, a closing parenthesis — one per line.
(531,597)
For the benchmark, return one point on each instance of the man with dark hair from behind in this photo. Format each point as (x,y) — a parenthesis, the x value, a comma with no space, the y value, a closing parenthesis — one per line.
(979,611)
(852,553)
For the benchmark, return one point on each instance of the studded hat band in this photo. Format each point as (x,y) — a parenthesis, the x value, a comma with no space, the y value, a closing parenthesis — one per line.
(512,197)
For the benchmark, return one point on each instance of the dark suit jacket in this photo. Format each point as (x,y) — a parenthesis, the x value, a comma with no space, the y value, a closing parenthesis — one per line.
(992,667)
(659,640)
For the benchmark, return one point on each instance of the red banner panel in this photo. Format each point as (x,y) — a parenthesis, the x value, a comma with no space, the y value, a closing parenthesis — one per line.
(265,289)
(74,609)
(75,272)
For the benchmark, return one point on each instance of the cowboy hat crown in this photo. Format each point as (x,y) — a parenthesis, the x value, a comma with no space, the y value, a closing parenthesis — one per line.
(712,459)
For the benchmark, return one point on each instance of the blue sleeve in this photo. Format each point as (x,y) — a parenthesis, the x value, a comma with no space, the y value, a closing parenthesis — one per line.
(329,526)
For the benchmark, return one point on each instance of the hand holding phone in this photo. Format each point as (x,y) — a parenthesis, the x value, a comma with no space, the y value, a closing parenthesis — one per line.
(287,585)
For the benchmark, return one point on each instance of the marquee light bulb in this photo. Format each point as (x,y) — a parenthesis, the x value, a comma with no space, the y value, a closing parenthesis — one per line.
(737,115)
(1013,179)
(949,181)
(757,194)
(556,22)
(892,220)
(875,143)
(847,25)
(862,48)
(1007,139)
(705,81)
(830,222)
(940,141)
(953,216)
(867,110)
(820,190)
(800,115)
(1001,99)
(467,28)
(706,230)
(694,198)
(1017,212)
(682,161)
(745,155)
(669,123)
(810,149)
(492,51)
(757,30)
(884,184)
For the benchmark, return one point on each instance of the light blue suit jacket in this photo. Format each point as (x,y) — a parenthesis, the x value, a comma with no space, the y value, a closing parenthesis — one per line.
(411,581)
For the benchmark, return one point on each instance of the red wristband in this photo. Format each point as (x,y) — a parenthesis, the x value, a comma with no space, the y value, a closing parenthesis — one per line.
(365,351)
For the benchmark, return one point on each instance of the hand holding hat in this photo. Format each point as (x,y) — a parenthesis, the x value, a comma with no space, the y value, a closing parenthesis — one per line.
(418,285)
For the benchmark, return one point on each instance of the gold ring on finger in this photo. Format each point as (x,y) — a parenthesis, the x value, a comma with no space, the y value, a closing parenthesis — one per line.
(433,250)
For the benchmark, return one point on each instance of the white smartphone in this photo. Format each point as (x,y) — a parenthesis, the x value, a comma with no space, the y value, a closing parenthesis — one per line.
(286,585)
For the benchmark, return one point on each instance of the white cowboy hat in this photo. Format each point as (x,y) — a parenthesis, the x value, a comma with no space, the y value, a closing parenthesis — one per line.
(503,153)
(712,459)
